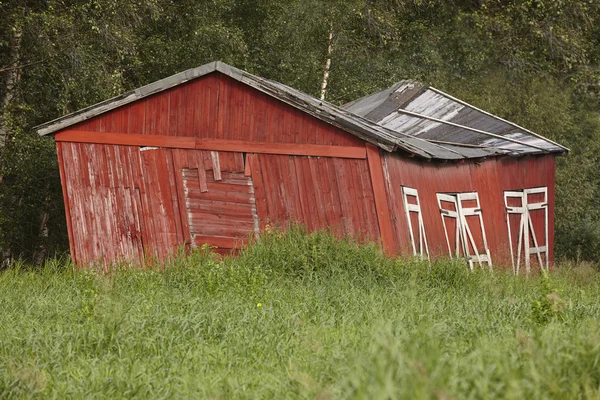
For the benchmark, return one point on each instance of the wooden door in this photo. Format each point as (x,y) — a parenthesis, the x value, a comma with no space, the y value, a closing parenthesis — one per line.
(216,198)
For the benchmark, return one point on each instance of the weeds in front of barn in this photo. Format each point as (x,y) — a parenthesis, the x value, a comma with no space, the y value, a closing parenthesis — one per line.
(298,316)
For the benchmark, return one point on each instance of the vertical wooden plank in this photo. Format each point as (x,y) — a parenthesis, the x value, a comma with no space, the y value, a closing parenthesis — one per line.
(136,119)
(207,157)
(63,180)
(311,215)
(188,109)
(397,212)
(368,202)
(151,111)
(273,121)
(238,162)
(236,112)
(175,111)
(550,175)
(319,204)
(284,130)
(196,160)
(350,183)
(162,124)
(180,193)
(223,102)
(259,189)
(336,205)
(139,223)
(170,215)
(380,196)
(283,194)
(248,125)
(266,172)
(212,94)
(145,187)
(216,165)
(326,184)
(289,179)
(302,200)
(247,168)
(174,198)
(260,112)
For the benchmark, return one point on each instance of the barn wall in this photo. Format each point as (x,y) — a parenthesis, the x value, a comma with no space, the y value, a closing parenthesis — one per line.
(489,178)
(319,192)
(218,107)
(129,202)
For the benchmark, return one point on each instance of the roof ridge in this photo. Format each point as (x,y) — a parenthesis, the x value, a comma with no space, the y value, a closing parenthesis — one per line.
(339,116)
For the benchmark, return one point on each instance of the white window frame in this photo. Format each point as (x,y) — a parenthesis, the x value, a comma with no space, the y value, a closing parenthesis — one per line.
(526,230)
(464,236)
(422,250)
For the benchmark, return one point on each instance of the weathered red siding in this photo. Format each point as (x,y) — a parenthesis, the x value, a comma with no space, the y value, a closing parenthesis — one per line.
(126,202)
(218,107)
(318,192)
(489,178)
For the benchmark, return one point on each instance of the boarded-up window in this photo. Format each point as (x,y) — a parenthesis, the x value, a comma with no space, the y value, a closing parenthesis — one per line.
(463,226)
(414,219)
(527,214)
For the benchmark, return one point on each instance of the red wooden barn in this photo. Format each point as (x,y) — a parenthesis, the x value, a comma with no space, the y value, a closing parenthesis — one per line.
(214,154)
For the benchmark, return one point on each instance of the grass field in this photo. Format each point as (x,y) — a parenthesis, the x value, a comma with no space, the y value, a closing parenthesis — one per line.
(299,316)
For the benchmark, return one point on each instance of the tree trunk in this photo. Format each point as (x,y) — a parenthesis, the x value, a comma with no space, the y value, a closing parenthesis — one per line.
(40,253)
(13,76)
(327,63)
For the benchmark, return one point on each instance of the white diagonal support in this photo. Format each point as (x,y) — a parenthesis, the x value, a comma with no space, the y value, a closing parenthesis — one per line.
(422,250)
(464,236)
(527,233)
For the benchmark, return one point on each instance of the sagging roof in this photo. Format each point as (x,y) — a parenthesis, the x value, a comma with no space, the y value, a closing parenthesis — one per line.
(420,120)
(425,112)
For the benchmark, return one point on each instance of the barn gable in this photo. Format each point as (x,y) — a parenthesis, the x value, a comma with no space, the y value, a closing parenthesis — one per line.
(217,107)
(214,155)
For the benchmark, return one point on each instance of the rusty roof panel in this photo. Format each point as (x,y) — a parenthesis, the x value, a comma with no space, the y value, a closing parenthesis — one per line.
(430,114)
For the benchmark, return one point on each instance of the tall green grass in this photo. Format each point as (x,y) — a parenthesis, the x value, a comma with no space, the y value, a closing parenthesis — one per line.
(298,316)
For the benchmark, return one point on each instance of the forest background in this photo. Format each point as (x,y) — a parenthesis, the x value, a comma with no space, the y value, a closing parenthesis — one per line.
(534,62)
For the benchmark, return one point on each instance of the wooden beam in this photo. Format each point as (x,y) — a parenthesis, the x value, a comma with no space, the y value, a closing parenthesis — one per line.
(126,139)
(292,149)
(381,200)
(179,142)
(63,182)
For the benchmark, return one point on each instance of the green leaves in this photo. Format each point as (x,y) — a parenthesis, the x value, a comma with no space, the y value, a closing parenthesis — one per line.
(534,62)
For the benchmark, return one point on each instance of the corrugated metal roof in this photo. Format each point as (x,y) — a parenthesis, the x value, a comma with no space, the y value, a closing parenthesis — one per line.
(430,114)
(391,119)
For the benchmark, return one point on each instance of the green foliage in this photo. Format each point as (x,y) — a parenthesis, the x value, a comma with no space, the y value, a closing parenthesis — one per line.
(327,318)
(30,186)
(549,305)
(534,62)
